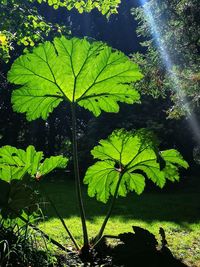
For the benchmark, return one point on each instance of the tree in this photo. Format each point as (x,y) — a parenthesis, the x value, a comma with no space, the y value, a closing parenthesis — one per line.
(174,27)
(106,7)
(21,22)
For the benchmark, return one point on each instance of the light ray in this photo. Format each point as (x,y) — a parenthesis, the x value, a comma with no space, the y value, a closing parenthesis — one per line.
(168,62)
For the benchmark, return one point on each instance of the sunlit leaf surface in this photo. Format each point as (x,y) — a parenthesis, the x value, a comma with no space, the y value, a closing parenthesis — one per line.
(91,74)
(129,156)
(16,163)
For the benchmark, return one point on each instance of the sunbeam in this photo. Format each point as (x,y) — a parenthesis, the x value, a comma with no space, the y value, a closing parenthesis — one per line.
(168,62)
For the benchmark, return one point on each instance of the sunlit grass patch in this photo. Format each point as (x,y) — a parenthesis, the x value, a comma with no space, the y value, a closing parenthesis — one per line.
(183,241)
(177,213)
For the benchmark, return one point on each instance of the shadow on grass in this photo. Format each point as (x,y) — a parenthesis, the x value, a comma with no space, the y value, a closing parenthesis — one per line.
(140,249)
(176,207)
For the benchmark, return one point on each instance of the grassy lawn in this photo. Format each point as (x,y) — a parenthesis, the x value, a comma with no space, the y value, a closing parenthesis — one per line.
(177,212)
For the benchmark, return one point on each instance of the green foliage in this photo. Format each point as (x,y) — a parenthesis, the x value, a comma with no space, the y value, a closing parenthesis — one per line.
(21,24)
(126,158)
(90,74)
(16,163)
(16,196)
(179,31)
(106,7)
(79,71)
(94,76)
(5,45)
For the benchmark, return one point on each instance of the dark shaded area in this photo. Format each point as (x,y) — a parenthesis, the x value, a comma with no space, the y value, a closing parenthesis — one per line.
(181,206)
(17,197)
(119,31)
(140,249)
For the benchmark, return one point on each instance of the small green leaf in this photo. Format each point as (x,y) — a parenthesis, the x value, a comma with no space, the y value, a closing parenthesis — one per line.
(51,163)
(173,156)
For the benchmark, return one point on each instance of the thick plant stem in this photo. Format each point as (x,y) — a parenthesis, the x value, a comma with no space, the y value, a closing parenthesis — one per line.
(77,177)
(98,237)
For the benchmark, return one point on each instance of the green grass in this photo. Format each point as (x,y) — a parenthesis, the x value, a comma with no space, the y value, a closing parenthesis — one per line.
(178,213)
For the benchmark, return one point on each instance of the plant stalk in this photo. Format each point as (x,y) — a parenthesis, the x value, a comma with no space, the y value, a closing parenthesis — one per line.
(60,218)
(42,233)
(99,235)
(77,176)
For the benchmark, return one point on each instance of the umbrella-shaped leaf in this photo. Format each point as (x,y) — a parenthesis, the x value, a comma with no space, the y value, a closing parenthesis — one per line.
(125,159)
(76,70)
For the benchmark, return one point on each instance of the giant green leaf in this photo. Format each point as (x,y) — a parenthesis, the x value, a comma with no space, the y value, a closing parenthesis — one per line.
(91,74)
(16,163)
(127,158)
